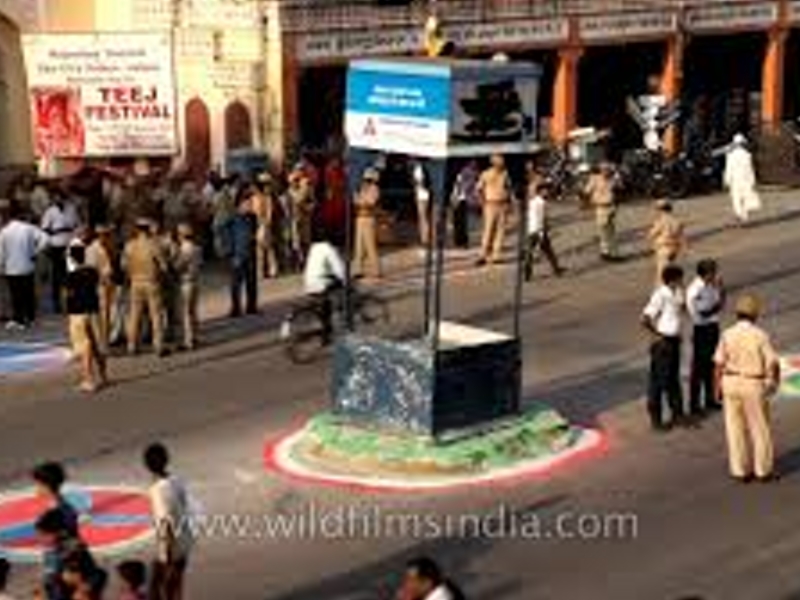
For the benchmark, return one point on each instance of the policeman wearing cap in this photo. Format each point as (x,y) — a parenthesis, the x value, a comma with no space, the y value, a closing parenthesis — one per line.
(366,203)
(666,237)
(600,190)
(747,375)
(145,265)
(101,255)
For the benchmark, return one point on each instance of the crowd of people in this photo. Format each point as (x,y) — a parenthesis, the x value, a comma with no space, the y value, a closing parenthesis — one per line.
(70,571)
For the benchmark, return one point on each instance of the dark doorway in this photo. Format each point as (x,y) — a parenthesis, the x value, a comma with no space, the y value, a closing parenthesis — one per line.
(723,74)
(198,138)
(609,75)
(321,98)
(238,127)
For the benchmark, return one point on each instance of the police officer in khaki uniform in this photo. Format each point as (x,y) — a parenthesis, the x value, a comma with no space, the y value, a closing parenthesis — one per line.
(666,237)
(145,265)
(600,190)
(99,255)
(747,375)
(495,192)
(366,242)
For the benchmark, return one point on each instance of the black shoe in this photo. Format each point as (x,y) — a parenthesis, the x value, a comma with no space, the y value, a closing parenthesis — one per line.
(235,314)
(481,262)
(687,421)
(713,407)
(742,480)
(771,478)
(661,427)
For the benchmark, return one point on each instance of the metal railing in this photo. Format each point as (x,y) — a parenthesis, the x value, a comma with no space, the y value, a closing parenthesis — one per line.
(322,15)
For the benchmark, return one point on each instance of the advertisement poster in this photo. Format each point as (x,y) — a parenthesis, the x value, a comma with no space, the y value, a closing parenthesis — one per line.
(101,95)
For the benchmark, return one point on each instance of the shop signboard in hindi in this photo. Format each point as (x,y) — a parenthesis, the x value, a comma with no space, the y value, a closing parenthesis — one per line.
(756,15)
(101,95)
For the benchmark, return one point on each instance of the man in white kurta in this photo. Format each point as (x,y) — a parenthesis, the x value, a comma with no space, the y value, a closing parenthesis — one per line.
(740,179)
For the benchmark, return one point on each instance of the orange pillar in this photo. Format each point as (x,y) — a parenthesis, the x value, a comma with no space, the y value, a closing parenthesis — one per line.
(671,81)
(565,94)
(773,79)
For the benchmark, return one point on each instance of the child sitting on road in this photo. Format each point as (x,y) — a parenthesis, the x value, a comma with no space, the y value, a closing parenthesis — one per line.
(83,308)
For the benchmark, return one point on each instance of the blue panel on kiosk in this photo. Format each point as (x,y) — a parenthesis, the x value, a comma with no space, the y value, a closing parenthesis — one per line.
(439,108)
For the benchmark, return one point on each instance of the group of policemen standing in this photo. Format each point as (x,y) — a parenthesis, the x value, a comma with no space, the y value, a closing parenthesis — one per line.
(737,371)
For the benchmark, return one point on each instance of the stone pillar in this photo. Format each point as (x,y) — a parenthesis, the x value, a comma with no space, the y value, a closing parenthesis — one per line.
(565,94)
(671,84)
(772,81)
(282,83)
(15,117)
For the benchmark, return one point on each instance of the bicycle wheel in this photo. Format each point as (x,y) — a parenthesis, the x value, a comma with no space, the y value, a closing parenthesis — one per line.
(371,309)
(302,331)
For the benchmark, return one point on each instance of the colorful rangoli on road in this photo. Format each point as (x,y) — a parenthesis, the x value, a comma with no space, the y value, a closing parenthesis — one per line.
(328,450)
(28,358)
(790,386)
(112,520)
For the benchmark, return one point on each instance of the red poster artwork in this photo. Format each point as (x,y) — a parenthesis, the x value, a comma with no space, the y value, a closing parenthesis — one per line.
(58,122)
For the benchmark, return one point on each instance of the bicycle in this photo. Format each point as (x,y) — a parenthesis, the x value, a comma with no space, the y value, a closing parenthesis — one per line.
(302,330)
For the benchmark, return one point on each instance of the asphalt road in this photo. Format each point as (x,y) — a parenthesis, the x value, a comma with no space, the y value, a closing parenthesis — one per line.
(674,525)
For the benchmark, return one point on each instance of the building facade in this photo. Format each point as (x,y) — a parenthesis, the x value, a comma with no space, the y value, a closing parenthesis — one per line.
(219,50)
(269,74)
(595,52)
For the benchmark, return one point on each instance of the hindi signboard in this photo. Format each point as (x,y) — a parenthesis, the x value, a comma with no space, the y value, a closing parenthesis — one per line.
(387,42)
(634,25)
(102,95)
(756,15)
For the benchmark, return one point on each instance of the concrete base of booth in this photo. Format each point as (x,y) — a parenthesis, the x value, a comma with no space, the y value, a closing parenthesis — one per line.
(472,380)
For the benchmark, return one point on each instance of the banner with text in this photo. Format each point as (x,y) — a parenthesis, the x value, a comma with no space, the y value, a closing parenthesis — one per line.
(109,94)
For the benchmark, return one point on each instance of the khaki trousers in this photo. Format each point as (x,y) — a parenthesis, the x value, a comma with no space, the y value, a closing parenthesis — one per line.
(366,247)
(605,218)
(108,300)
(188,312)
(494,230)
(267,257)
(664,257)
(747,428)
(145,296)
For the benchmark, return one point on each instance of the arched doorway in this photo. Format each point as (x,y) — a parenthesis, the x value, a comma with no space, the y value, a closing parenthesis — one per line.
(198,138)
(238,128)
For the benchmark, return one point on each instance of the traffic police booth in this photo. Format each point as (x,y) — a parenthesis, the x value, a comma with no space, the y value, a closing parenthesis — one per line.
(454,378)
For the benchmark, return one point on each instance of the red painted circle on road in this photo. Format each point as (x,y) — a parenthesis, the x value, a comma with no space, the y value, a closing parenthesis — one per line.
(112,520)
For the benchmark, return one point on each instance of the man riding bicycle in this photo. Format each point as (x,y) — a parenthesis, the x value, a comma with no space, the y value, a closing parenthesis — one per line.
(323,277)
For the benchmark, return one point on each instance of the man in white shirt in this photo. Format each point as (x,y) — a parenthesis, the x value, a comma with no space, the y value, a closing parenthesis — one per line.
(662,318)
(60,221)
(20,244)
(424,581)
(538,231)
(172,516)
(705,299)
(324,274)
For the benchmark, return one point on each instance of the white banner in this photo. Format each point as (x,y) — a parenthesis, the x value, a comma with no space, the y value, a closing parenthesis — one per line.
(107,94)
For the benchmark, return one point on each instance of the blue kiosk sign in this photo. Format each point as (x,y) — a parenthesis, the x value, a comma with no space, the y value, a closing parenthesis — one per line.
(440,109)
(455,377)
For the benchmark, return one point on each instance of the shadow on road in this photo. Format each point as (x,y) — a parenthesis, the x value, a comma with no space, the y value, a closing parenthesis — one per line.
(459,557)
